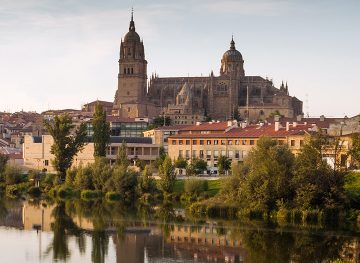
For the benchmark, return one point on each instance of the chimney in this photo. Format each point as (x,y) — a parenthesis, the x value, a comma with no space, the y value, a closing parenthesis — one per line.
(322,118)
(287,126)
(277,125)
(294,124)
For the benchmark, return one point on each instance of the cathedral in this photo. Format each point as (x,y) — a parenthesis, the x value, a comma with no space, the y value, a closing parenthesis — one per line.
(187,100)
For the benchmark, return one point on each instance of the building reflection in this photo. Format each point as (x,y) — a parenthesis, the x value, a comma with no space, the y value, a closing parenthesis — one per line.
(140,242)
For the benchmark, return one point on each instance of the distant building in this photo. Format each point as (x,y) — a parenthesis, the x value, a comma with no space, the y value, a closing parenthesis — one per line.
(36,151)
(90,107)
(188,99)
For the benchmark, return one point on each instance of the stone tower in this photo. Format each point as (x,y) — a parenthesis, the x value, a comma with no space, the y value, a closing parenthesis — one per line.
(132,77)
(232,62)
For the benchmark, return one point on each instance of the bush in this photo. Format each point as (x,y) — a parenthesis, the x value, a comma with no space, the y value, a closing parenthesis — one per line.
(195,186)
(13,175)
(17,190)
(34,191)
(65,192)
(112,196)
(90,194)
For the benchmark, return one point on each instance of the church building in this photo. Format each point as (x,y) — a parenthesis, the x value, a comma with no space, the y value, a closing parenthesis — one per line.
(187,100)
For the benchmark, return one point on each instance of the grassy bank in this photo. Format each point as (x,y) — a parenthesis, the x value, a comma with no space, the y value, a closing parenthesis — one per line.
(214,187)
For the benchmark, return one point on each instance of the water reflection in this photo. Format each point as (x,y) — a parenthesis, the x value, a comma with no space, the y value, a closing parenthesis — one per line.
(75,231)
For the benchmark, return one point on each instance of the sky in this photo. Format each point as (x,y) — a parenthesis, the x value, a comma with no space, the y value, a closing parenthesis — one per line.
(61,54)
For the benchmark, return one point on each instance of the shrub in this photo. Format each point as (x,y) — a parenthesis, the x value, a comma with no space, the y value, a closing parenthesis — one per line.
(195,186)
(17,189)
(90,194)
(65,192)
(112,196)
(34,191)
(13,175)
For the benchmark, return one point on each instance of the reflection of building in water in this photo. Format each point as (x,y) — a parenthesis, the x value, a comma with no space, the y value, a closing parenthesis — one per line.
(11,217)
(37,217)
(351,251)
(208,243)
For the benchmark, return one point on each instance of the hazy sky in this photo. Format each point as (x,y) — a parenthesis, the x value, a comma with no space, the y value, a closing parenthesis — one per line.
(60,54)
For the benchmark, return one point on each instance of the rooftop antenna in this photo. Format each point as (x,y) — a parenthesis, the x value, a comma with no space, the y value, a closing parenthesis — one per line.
(307,105)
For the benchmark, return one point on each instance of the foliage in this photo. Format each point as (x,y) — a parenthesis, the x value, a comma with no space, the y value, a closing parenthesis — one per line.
(180,162)
(122,157)
(352,189)
(102,172)
(90,194)
(3,161)
(167,176)
(13,175)
(159,160)
(162,121)
(113,196)
(101,128)
(146,184)
(200,165)
(34,191)
(236,114)
(265,176)
(84,178)
(355,148)
(224,164)
(195,186)
(65,146)
(316,183)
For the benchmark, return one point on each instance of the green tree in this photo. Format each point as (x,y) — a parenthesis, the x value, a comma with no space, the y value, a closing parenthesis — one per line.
(122,157)
(355,148)
(83,178)
(13,175)
(3,161)
(224,164)
(265,177)
(66,145)
(101,130)
(316,183)
(102,172)
(236,114)
(167,176)
(146,184)
(200,165)
(123,182)
(180,163)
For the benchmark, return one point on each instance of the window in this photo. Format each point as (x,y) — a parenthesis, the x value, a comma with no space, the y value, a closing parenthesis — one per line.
(194,153)
(201,154)
(180,142)
(187,142)
(201,142)
(187,154)
(173,142)
(292,143)
(223,153)
(132,71)
(231,154)
(208,142)
(301,143)
(216,142)
(243,142)
(230,142)
(180,153)
(223,142)
(216,154)
(46,162)
(208,155)
(128,71)
(237,155)
(252,142)
(124,70)
(236,142)
(194,142)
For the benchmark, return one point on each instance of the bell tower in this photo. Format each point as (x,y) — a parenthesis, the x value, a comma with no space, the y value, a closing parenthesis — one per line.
(132,77)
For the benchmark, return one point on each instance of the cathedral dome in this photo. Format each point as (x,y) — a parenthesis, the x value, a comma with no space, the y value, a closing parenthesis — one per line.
(232,55)
(132,36)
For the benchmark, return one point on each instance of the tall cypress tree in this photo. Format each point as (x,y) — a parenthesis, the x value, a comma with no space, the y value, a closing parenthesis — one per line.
(101,130)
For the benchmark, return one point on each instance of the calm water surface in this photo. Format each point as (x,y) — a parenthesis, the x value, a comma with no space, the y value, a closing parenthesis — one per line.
(77,231)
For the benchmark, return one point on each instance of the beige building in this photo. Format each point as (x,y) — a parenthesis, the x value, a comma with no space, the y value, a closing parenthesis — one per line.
(37,156)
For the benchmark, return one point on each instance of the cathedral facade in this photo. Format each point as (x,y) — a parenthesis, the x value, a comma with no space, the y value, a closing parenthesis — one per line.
(187,100)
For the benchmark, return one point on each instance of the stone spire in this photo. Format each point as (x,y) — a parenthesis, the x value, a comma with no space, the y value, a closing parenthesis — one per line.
(232,43)
(132,23)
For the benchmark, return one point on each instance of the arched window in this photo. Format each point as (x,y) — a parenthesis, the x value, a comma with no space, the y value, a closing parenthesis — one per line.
(128,71)
(124,70)
(132,71)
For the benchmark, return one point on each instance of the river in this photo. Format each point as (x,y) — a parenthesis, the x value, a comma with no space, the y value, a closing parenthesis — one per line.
(78,231)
